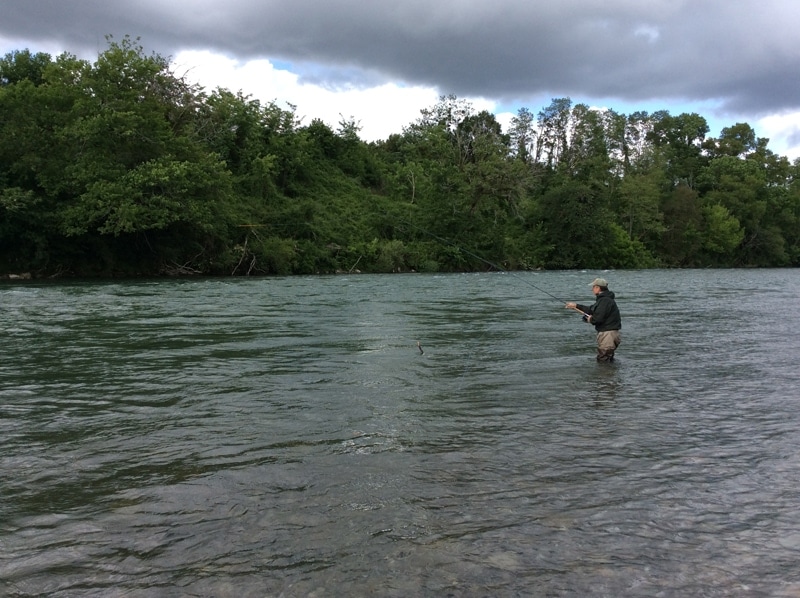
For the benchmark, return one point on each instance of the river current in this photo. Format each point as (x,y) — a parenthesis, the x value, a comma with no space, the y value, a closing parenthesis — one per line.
(400,435)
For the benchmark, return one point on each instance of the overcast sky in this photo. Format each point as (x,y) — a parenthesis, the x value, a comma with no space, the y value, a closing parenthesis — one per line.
(381,61)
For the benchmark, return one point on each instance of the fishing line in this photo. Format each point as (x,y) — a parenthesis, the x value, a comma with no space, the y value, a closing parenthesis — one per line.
(485,261)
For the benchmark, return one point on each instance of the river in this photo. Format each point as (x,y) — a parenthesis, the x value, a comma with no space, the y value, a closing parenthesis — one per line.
(400,435)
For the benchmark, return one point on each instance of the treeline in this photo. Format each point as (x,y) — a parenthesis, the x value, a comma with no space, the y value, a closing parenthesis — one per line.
(122,168)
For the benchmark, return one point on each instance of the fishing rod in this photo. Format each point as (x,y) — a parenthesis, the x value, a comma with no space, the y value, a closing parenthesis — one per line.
(490,263)
(580,311)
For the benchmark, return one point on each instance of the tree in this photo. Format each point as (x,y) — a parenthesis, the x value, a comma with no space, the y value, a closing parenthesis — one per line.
(553,131)
(738,186)
(23,65)
(587,156)
(637,205)
(120,166)
(523,137)
(637,149)
(722,233)
(575,226)
(35,106)
(681,241)
(680,138)
(736,141)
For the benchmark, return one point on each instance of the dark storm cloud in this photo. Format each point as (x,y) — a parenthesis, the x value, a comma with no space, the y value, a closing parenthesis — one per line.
(740,54)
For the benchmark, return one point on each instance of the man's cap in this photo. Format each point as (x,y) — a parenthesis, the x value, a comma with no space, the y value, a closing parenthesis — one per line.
(599,282)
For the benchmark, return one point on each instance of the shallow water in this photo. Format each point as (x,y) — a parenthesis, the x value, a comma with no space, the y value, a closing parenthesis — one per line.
(286,437)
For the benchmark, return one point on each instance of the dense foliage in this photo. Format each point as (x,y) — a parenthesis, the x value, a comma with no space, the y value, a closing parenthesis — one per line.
(120,167)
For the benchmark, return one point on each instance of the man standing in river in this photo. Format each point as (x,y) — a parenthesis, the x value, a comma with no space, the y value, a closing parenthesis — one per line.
(604,315)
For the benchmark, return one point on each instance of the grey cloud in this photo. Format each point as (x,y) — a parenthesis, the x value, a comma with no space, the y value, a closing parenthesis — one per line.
(741,54)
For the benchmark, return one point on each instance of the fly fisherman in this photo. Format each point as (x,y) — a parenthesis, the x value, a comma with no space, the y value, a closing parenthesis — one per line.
(604,314)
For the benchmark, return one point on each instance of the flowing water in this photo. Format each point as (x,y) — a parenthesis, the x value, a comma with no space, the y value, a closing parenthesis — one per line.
(287,437)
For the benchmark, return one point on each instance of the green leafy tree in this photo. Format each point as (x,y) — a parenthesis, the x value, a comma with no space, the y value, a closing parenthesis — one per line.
(739,186)
(587,156)
(722,232)
(121,167)
(575,226)
(680,139)
(738,140)
(23,65)
(553,135)
(681,241)
(638,199)
(35,106)
(523,137)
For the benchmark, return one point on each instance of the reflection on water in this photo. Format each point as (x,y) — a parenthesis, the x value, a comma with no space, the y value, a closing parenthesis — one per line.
(286,437)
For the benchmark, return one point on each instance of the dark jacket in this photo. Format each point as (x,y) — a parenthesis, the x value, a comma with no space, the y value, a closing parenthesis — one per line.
(604,312)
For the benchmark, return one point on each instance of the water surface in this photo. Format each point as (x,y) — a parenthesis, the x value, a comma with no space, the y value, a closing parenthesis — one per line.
(286,437)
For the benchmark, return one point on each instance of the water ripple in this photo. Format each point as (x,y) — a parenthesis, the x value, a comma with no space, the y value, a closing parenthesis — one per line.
(287,437)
